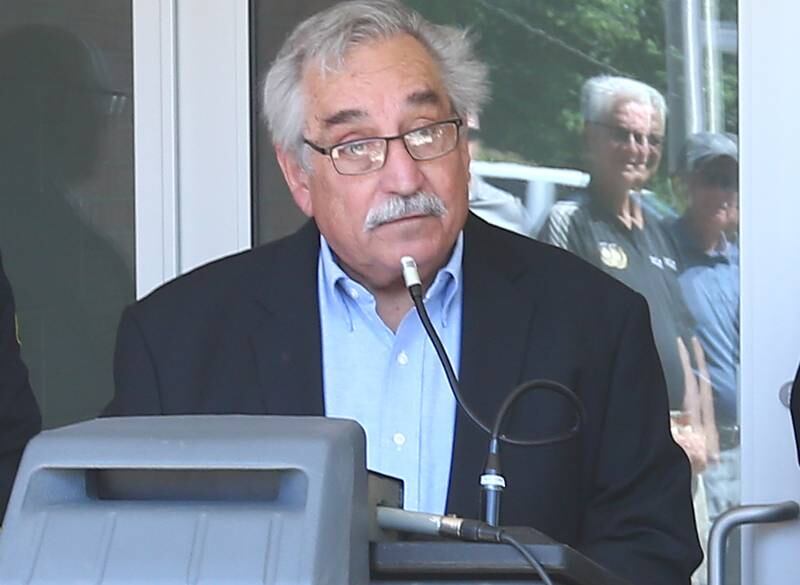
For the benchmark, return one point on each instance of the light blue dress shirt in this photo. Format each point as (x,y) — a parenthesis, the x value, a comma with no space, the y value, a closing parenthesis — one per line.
(392,383)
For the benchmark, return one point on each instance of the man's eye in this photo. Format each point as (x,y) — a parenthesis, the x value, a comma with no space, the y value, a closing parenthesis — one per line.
(355,149)
(422,136)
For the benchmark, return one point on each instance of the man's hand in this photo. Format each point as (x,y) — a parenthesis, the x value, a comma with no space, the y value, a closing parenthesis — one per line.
(693,444)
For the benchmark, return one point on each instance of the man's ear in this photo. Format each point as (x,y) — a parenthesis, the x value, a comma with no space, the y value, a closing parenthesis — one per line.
(680,187)
(587,135)
(466,156)
(297,180)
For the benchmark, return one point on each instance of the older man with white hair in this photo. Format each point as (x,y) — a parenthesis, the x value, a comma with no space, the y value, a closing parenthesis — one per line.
(609,225)
(366,103)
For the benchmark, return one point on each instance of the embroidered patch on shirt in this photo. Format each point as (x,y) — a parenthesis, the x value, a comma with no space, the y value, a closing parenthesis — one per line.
(613,255)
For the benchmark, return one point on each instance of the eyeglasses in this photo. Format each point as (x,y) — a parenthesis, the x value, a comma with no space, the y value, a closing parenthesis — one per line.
(359,157)
(622,135)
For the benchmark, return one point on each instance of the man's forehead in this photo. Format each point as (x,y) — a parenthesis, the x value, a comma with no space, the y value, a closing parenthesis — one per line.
(624,105)
(398,71)
(718,163)
(346,115)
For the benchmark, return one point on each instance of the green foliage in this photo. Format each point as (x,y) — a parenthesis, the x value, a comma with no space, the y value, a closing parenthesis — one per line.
(541,51)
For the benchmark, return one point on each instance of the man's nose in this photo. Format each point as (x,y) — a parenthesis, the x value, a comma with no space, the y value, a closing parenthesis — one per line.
(640,148)
(401,174)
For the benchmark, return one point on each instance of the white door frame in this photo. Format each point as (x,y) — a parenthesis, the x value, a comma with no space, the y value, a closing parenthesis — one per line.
(769,90)
(192,137)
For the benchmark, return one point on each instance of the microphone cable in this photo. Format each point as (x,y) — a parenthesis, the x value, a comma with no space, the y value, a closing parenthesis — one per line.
(414,285)
(492,480)
(454,527)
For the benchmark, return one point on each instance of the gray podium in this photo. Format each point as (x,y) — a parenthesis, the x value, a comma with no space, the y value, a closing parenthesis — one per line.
(228,499)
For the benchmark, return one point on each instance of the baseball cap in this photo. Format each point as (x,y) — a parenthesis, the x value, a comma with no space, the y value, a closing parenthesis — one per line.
(704,146)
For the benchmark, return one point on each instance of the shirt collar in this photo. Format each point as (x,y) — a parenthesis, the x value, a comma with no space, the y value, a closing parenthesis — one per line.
(346,293)
(721,252)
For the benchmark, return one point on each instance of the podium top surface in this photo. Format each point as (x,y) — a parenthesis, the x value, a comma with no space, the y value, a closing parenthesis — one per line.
(436,561)
(190,441)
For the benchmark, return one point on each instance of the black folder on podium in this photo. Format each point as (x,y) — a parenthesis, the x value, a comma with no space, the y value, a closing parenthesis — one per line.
(446,561)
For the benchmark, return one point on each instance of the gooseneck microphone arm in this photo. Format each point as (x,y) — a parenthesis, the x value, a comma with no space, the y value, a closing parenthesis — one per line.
(414,286)
(492,480)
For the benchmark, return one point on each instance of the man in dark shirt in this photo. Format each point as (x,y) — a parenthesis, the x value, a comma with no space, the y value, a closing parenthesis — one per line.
(19,413)
(795,407)
(709,267)
(608,225)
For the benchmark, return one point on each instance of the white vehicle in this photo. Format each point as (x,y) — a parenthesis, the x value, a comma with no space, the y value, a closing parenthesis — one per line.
(537,187)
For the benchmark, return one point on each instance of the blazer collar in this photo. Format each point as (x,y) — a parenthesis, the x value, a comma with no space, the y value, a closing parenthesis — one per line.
(286,330)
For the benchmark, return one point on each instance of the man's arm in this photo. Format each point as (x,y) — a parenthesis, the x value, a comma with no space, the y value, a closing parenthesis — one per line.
(707,415)
(639,521)
(794,402)
(689,433)
(19,412)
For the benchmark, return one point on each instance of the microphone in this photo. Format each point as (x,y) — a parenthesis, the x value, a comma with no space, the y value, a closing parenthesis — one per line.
(491,480)
(436,525)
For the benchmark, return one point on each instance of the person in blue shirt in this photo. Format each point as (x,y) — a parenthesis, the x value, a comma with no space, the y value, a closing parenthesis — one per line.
(709,279)
(366,104)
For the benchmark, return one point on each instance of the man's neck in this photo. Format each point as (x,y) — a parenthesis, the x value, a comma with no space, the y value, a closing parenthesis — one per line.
(392,305)
(619,202)
(707,238)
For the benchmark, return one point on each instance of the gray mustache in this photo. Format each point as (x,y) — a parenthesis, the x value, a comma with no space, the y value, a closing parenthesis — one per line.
(400,206)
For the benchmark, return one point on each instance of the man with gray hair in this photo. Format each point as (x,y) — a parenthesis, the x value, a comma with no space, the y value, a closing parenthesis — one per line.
(609,225)
(366,103)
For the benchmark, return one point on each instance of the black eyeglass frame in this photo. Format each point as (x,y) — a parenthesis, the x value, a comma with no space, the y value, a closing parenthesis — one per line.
(654,140)
(328,151)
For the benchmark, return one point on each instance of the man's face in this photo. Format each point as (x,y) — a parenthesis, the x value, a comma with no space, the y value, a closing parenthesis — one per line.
(384,89)
(714,193)
(618,150)
(655,146)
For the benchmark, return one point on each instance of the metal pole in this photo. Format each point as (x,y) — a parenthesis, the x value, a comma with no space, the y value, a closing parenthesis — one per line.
(756,514)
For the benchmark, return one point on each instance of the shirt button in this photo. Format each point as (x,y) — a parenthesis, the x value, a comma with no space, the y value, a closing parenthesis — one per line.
(353,293)
(402,358)
(399,439)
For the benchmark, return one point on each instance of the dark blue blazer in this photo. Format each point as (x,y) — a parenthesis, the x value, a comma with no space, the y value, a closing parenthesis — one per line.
(242,335)
(794,404)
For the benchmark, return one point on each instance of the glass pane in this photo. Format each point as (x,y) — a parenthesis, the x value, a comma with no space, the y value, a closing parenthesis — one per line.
(545,168)
(66,202)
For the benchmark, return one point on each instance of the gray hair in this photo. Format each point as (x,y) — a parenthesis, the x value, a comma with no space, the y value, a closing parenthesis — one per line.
(325,39)
(600,94)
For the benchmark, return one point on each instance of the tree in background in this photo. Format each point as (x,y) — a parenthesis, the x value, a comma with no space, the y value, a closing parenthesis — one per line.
(541,51)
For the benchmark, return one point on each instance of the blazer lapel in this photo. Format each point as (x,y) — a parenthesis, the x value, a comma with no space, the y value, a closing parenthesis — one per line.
(286,329)
(496,322)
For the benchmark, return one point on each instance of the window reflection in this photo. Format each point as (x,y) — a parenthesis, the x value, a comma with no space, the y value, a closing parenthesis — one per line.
(66,195)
